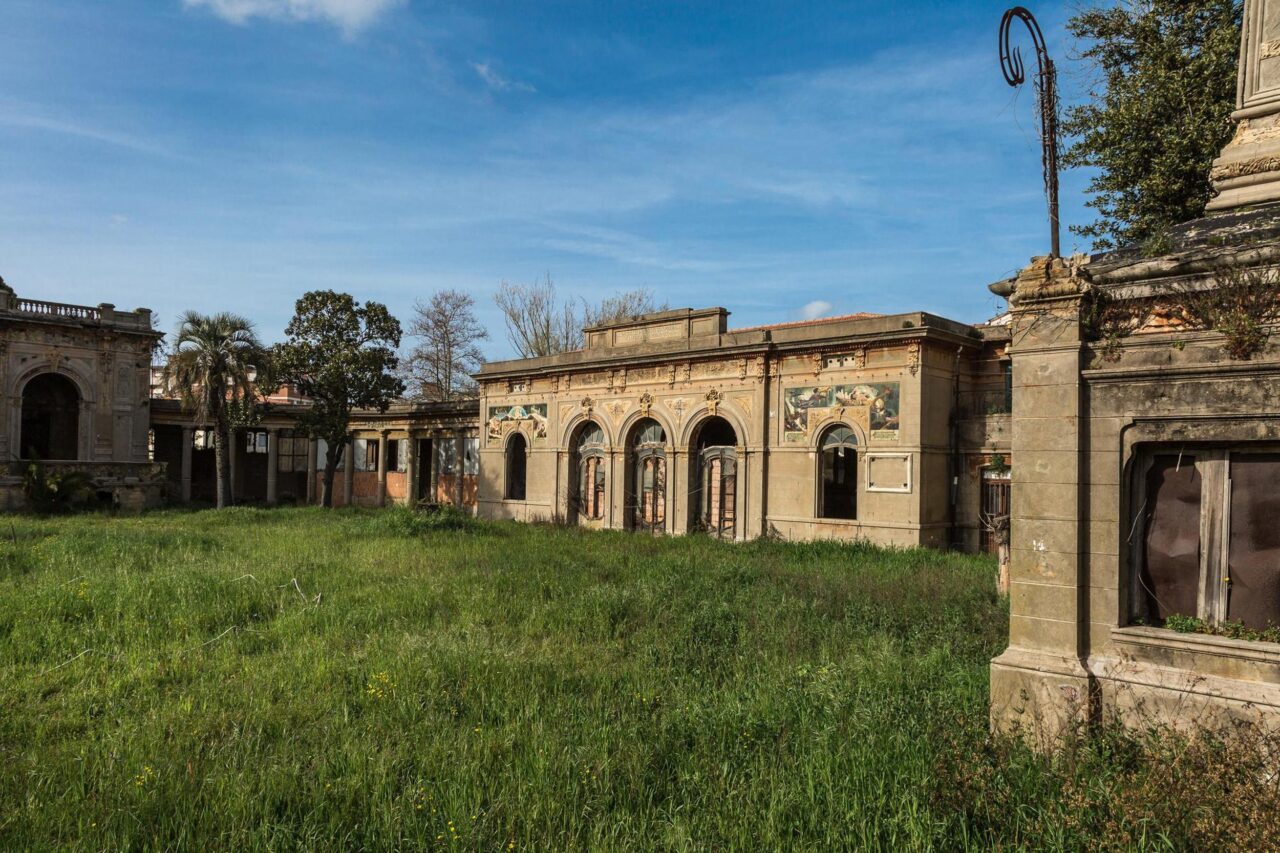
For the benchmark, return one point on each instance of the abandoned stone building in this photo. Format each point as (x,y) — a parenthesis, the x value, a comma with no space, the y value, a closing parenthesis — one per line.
(76,393)
(888,428)
(1146,423)
(891,429)
(414,453)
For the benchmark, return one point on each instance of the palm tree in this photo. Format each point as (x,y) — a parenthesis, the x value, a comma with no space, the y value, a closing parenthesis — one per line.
(212,368)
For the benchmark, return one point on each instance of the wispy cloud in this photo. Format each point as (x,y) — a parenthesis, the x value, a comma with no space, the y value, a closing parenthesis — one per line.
(498,82)
(29,121)
(350,16)
(815,309)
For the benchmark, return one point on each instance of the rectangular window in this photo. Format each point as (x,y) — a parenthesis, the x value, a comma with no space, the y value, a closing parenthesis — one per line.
(471,457)
(202,439)
(255,441)
(993,514)
(397,455)
(291,455)
(446,456)
(366,454)
(1207,542)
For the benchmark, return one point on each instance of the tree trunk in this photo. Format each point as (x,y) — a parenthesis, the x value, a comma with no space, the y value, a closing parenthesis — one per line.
(221,463)
(330,469)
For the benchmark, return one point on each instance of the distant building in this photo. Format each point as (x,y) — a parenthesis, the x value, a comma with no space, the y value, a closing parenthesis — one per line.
(885,428)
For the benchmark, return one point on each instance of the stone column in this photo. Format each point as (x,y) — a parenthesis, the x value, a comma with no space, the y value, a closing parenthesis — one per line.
(187,440)
(349,470)
(273,462)
(616,488)
(677,491)
(460,447)
(435,466)
(382,468)
(411,476)
(313,450)
(1248,172)
(1041,682)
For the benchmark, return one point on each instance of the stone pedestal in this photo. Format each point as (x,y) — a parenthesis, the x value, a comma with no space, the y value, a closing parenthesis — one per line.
(1248,172)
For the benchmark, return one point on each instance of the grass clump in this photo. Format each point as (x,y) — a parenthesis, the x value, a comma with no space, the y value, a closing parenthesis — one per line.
(302,678)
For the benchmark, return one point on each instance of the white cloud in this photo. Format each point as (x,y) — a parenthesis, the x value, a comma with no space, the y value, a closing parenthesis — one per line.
(350,16)
(815,309)
(497,82)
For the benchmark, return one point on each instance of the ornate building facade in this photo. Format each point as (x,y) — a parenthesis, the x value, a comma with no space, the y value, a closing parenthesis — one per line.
(867,427)
(76,391)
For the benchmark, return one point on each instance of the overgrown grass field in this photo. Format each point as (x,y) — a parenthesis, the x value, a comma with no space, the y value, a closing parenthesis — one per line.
(298,678)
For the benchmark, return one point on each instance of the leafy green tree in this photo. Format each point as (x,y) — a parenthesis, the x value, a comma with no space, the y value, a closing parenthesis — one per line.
(1160,108)
(342,355)
(213,370)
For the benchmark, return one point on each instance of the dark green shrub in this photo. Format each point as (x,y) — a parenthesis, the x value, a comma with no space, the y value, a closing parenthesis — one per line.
(58,490)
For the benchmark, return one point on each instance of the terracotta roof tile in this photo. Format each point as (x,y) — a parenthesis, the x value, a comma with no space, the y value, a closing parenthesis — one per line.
(862,315)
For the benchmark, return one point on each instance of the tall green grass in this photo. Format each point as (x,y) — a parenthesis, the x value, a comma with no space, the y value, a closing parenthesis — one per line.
(304,678)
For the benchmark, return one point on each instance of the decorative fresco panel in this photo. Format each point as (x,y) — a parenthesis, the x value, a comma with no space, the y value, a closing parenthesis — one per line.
(804,407)
(500,415)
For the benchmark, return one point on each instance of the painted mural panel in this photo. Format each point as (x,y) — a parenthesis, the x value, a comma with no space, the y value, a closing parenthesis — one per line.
(536,412)
(876,402)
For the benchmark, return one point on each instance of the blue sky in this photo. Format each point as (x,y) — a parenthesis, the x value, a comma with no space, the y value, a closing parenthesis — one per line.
(777,158)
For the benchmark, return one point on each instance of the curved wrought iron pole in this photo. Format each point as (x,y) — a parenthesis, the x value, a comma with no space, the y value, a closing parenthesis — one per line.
(1046,84)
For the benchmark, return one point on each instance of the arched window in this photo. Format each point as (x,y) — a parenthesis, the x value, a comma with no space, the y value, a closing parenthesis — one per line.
(50,418)
(589,452)
(648,493)
(517,449)
(714,491)
(838,474)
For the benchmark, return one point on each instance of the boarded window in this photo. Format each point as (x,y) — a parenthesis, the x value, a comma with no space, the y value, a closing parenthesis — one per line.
(1254,543)
(1211,540)
(292,453)
(1170,573)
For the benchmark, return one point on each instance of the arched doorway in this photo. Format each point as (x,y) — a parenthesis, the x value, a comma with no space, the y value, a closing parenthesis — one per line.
(838,473)
(587,499)
(647,490)
(517,466)
(50,418)
(713,488)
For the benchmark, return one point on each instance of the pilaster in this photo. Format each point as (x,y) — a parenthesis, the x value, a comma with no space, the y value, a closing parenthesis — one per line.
(1040,684)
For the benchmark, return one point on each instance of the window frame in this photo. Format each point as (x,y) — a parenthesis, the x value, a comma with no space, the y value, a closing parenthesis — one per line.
(365,455)
(646,453)
(590,458)
(1213,464)
(289,459)
(257,442)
